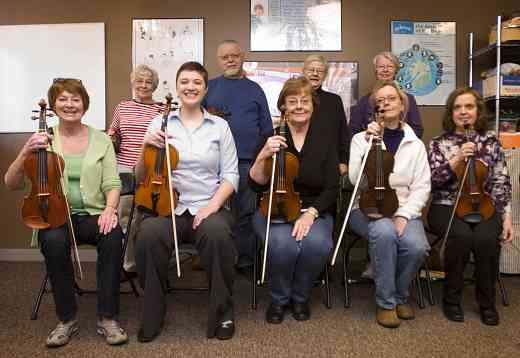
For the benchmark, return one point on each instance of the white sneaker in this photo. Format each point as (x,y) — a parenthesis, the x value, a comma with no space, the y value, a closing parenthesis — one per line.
(112,332)
(62,333)
(369,271)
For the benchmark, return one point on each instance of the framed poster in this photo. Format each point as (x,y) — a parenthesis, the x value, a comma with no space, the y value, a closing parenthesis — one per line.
(295,25)
(426,52)
(164,45)
(342,79)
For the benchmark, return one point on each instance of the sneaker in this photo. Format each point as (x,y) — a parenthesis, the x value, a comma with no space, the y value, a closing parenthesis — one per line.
(60,336)
(112,332)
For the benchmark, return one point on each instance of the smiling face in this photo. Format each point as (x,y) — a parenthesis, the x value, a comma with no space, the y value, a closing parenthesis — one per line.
(388,99)
(298,108)
(69,107)
(191,88)
(143,87)
(230,58)
(465,111)
(385,69)
(315,72)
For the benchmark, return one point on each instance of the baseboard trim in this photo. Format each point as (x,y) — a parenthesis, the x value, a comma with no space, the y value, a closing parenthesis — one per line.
(86,255)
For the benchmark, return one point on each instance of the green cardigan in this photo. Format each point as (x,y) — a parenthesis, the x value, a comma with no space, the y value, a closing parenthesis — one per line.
(98,170)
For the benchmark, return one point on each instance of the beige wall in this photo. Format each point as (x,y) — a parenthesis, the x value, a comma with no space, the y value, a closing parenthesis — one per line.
(365,32)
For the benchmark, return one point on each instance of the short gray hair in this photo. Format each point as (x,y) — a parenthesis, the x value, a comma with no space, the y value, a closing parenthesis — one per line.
(389,56)
(317,58)
(144,69)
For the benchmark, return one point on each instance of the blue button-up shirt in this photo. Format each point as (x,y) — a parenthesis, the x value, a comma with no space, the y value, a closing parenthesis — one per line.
(207,156)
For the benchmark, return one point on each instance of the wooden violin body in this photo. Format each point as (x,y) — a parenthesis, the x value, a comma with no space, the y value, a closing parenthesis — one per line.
(286,204)
(379,199)
(153,192)
(474,204)
(45,206)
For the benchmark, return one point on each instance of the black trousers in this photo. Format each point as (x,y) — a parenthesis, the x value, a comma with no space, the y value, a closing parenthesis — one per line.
(213,239)
(55,247)
(481,239)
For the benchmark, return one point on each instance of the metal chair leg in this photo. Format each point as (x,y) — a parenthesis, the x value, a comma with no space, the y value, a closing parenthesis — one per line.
(420,295)
(328,288)
(38,301)
(503,291)
(431,298)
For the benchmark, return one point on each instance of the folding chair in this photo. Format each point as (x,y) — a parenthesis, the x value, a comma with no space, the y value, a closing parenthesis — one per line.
(128,188)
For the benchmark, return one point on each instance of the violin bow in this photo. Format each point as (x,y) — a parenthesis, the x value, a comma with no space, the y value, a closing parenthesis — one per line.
(78,271)
(377,111)
(269,207)
(170,188)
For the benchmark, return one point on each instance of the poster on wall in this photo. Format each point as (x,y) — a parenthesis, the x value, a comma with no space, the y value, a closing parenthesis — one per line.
(295,25)
(164,45)
(342,79)
(426,52)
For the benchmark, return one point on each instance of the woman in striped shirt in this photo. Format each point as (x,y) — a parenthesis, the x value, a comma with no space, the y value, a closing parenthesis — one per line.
(129,125)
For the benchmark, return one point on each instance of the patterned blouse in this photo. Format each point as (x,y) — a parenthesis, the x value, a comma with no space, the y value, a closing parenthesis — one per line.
(444,180)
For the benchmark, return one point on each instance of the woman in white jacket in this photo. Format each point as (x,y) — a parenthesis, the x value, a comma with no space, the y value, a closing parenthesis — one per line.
(397,244)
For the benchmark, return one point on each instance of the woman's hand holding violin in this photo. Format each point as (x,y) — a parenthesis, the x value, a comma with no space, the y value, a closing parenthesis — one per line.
(156,139)
(272,145)
(36,141)
(373,128)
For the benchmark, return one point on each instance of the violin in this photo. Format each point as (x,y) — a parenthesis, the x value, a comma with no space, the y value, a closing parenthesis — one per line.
(474,204)
(45,206)
(153,193)
(379,199)
(282,199)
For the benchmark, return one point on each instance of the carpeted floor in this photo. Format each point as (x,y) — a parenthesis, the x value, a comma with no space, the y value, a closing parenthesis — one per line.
(337,332)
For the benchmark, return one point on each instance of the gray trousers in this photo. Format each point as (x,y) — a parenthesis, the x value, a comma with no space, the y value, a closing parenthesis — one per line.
(213,239)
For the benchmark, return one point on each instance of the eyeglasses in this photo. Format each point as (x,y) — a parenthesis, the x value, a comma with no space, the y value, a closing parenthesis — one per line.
(298,102)
(319,71)
(59,79)
(385,67)
(389,99)
(231,56)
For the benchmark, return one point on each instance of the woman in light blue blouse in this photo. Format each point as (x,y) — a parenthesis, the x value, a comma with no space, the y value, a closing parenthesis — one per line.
(205,177)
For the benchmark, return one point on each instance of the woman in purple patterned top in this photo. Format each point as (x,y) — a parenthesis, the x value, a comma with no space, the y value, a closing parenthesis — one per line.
(447,152)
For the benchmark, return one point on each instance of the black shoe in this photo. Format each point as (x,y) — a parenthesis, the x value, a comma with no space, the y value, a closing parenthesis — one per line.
(489,316)
(145,339)
(301,311)
(225,330)
(453,312)
(275,313)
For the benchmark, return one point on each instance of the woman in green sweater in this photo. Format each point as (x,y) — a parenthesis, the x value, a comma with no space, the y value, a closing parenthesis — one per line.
(92,185)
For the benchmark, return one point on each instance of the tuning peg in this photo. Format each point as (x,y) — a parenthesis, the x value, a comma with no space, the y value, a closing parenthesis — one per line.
(34,117)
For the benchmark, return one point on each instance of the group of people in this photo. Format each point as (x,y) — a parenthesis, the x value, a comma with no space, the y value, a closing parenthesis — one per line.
(225,157)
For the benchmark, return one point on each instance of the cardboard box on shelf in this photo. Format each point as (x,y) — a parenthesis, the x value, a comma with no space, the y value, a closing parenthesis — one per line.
(509,86)
(510,31)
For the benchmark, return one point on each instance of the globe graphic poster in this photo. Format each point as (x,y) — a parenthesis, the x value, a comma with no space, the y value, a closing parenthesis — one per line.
(426,53)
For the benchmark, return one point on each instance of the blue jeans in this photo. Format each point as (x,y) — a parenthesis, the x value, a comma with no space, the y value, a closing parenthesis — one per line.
(245,201)
(293,266)
(395,259)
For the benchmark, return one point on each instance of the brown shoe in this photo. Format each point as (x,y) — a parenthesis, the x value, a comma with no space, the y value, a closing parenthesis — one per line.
(387,318)
(405,311)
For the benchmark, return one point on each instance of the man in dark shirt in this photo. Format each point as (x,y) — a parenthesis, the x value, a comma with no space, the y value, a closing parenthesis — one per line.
(329,118)
(245,107)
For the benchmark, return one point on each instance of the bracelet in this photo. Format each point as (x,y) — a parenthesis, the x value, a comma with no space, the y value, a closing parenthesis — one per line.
(314,212)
